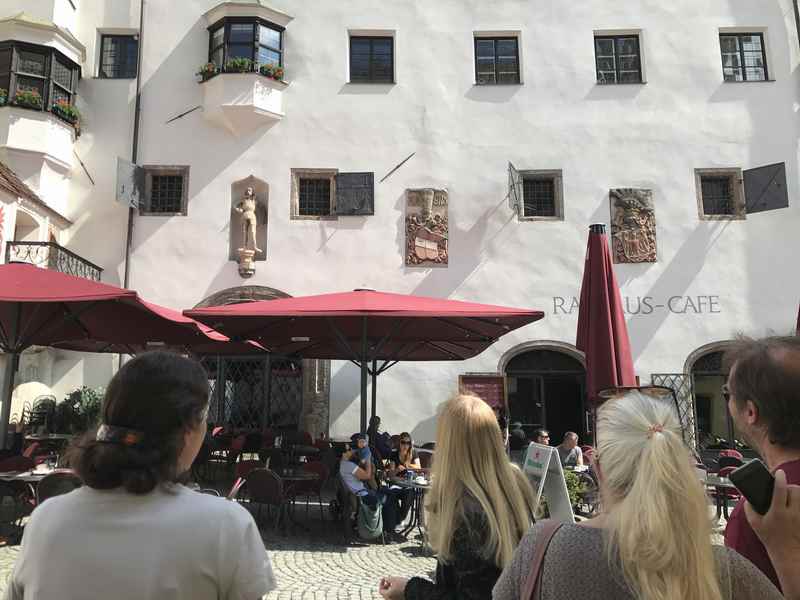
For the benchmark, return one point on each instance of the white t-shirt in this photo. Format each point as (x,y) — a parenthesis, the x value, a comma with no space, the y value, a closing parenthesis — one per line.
(171,544)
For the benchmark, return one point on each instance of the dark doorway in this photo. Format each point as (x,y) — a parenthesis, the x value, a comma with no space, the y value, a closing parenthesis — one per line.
(547,389)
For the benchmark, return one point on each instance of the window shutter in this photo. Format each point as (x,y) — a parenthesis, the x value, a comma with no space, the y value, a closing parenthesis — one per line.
(765,188)
(130,183)
(514,189)
(355,194)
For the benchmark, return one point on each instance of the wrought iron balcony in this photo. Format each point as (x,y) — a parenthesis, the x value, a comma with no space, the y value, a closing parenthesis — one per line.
(52,256)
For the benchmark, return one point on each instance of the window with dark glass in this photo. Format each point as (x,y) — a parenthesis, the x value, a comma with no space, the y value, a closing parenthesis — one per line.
(166,190)
(119,55)
(254,39)
(744,57)
(371,59)
(496,60)
(717,194)
(27,67)
(618,59)
(314,197)
(539,197)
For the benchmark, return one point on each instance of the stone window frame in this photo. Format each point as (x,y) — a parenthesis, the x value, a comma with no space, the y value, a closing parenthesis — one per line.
(498,34)
(737,185)
(617,33)
(297,175)
(149,171)
(558,185)
(766,51)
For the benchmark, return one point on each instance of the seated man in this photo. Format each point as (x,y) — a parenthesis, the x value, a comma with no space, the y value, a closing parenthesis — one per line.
(354,478)
(542,436)
(569,452)
(517,439)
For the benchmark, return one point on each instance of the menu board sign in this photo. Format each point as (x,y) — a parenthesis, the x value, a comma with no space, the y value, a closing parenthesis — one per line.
(490,387)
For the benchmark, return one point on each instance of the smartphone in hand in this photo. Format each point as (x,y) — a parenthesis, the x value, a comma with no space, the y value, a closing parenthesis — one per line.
(756,483)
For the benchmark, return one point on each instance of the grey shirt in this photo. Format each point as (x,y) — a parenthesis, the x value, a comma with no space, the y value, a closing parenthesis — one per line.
(569,458)
(575,566)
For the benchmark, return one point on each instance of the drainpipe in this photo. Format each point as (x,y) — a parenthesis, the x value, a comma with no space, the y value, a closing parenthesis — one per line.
(797,19)
(135,148)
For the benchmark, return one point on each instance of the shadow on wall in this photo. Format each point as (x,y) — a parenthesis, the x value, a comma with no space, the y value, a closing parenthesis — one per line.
(493,94)
(425,431)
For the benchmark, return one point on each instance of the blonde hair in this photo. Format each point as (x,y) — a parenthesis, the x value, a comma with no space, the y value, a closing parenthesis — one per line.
(658,525)
(470,459)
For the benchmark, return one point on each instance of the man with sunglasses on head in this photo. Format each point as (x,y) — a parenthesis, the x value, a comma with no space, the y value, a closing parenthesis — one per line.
(763,397)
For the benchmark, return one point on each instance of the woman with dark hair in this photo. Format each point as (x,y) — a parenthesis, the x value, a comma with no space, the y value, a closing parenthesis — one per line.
(132,532)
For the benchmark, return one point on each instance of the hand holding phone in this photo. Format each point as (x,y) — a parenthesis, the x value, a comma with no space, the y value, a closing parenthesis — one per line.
(756,483)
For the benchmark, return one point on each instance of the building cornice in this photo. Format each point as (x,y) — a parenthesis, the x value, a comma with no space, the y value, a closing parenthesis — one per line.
(26,21)
(247,9)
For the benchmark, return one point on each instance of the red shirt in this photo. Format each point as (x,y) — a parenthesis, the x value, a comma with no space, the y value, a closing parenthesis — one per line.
(741,537)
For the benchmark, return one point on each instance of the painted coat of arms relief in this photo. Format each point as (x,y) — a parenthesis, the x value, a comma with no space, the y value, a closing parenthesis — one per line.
(633,225)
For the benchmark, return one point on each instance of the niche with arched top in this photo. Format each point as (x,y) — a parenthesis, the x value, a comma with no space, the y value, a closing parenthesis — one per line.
(237,230)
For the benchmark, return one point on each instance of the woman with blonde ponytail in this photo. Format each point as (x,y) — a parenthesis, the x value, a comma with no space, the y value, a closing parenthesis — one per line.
(479,507)
(653,539)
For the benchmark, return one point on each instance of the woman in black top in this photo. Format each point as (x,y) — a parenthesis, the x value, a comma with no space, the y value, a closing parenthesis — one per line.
(403,458)
(479,506)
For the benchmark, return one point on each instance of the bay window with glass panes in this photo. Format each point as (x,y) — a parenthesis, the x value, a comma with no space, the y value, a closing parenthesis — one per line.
(35,76)
(251,39)
(744,57)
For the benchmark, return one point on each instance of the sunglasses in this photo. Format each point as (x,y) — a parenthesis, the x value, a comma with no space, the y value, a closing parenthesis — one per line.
(405,442)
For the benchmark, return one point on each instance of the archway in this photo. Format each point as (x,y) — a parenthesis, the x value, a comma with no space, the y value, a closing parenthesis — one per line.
(270,391)
(26,228)
(547,389)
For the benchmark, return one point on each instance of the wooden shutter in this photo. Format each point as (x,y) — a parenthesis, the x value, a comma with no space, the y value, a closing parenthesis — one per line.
(355,194)
(130,183)
(514,189)
(765,188)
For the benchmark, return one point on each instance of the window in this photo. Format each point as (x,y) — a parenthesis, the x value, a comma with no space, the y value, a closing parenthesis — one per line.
(119,55)
(496,60)
(542,196)
(30,68)
(744,57)
(165,190)
(371,59)
(720,193)
(314,194)
(252,38)
(618,59)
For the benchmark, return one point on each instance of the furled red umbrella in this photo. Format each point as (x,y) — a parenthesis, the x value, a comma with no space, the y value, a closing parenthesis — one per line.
(797,329)
(42,307)
(365,326)
(602,333)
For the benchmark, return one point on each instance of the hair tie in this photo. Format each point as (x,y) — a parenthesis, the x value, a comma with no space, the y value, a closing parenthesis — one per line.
(657,428)
(119,435)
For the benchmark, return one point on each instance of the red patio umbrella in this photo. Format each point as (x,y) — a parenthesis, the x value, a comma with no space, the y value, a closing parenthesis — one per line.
(797,329)
(42,307)
(602,333)
(365,326)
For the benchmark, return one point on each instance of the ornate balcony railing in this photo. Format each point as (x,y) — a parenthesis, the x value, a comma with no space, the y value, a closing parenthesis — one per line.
(52,256)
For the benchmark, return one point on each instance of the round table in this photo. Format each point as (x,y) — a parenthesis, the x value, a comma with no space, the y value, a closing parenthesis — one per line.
(417,506)
(722,485)
(295,476)
(49,437)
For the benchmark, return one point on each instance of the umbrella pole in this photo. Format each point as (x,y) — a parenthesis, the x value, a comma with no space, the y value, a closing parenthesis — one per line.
(364,375)
(12,364)
(374,386)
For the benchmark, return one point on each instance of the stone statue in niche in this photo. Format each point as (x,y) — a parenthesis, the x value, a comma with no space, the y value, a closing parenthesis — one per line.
(426,228)
(248,223)
(633,225)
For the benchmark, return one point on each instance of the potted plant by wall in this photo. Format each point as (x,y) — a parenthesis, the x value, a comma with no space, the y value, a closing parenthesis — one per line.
(267,70)
(206,72)
(66,111)
(28,99)
(239,65)
(277,73)
(3,96)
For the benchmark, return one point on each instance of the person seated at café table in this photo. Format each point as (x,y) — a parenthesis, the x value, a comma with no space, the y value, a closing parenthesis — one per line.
(541,436)
(355,477)
(569,452)
(379,441)
(402,460)
(132,532)
(517,438)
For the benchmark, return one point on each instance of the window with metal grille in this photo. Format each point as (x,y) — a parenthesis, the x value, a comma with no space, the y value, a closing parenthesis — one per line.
(165,190)
(744,57)
(28,67)
(314,197)
(371,59)
(119,55)
(539,197)
(717,193)
(618,59)
(496,60)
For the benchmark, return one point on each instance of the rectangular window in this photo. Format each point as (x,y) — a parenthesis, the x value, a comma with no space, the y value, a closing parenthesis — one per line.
(269,46)
(744,57)
(217,42)
(240,40)
(118,56)
(314,199)
(717,195)
(166,190)
(618,59)
(539,197)
(496,60)
(720,193)
(371,59)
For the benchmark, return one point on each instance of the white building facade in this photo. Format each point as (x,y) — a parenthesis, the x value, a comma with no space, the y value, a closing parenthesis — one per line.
(656,120)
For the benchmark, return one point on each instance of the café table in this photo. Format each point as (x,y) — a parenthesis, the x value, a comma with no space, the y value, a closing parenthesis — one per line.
(291,477)
(417,507)
(721,485)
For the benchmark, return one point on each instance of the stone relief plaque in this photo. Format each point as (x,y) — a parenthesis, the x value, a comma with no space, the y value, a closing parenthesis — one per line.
(633,225)
(426,228)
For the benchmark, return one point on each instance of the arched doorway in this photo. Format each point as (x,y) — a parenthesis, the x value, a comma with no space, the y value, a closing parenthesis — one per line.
(256,392)
(547,389)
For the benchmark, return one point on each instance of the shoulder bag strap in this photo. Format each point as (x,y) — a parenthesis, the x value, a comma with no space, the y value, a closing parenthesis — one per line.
(533,582)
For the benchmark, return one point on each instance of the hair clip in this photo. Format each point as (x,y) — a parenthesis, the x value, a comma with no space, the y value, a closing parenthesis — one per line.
(657,428)
(119,435)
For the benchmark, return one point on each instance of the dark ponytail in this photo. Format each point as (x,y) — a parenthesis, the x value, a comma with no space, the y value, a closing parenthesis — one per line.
(159,395)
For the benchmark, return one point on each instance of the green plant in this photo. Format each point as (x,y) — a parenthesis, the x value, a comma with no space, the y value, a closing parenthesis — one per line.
(207,71)
(239,65)
(66,111)
(3,96)
(80,410)
(28,98)
(574,487)
(272,71)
